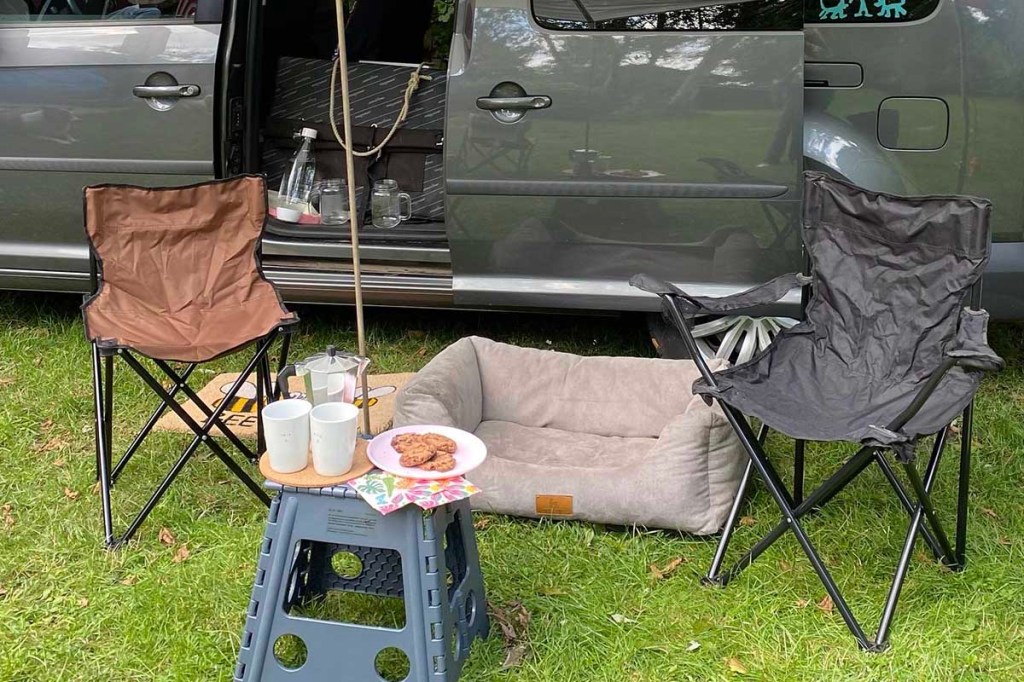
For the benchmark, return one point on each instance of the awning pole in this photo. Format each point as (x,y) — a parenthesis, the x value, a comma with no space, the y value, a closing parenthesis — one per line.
(350,171)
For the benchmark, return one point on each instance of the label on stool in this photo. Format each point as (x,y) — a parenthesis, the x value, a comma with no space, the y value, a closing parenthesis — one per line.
(554,505)
(360,525)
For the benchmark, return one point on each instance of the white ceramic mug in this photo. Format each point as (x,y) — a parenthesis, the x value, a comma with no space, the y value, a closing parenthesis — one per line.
(333,427)
(286,429)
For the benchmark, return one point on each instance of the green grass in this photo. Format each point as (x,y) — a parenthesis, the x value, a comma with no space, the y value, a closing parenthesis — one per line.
(71,611)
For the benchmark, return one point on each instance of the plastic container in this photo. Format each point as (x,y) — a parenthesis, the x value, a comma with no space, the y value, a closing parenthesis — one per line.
(297,184)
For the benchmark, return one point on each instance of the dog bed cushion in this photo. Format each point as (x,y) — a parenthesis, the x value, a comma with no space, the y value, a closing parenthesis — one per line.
(608,440)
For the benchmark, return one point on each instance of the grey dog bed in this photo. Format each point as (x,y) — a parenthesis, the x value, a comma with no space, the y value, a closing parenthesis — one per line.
(602,439)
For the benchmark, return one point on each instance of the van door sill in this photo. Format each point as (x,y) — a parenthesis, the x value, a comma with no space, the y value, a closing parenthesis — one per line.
(274,247)
(311,281)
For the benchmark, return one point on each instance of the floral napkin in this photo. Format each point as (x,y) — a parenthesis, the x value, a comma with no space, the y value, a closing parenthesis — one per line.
(387,493)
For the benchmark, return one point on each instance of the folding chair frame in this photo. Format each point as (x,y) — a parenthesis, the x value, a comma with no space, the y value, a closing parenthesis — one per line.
(916,501)
(108,472)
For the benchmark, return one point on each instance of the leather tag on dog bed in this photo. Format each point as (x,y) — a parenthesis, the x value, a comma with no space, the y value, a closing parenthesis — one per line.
(554,505)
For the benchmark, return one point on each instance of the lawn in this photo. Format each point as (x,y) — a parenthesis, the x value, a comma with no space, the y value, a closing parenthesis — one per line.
(70,610)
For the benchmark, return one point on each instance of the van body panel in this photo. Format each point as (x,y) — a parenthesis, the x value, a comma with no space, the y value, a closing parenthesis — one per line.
(967,54)
(68,118)
(672,152)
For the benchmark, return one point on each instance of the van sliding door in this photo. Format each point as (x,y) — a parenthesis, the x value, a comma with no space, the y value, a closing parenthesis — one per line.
(589,140)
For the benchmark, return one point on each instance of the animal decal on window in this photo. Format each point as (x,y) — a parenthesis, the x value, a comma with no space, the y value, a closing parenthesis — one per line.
(887,9)
(836,12)
(891,9)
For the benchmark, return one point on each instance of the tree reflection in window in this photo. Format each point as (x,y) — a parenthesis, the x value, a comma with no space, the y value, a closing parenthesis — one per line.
(755,15)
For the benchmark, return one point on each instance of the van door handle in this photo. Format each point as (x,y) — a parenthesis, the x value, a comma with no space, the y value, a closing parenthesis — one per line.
(529,102)
(166,91)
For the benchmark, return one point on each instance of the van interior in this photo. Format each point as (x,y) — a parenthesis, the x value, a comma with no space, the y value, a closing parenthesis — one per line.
(388,41)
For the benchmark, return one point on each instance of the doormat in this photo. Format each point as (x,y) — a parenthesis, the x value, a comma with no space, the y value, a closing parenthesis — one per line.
(240,416)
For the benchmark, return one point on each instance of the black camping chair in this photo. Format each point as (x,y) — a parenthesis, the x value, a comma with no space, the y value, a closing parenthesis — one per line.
(176,279)
(887,353)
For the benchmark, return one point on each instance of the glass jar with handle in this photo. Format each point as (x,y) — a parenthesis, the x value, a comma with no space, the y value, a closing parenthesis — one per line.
(386,204)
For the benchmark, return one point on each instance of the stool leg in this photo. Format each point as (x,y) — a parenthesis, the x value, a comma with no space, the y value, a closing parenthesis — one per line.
(271,572)
(480,625)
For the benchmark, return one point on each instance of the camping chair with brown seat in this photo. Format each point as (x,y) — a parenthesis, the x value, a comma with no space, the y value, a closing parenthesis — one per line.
(177,279)
(892,349)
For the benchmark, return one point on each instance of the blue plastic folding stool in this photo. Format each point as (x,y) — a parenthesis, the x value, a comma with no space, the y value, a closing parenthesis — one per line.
(427,558)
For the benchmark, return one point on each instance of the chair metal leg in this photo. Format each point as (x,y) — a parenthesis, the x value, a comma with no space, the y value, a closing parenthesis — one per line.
(205,409)
(103,376)
(908,504)
(202,431)
(108,409)
(268,383)
(159,492)
(714,572)
(102,446)
(141,436)
(262,373)
(921,510)
(777,489)
(202,435)
(286,344)
(798,471)
(821,495)
(908,545)
(925,500)
(963,487)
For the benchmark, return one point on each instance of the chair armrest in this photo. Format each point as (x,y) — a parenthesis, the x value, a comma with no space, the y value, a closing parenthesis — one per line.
(972,353)
(446,392)
(972,350)
(769,292)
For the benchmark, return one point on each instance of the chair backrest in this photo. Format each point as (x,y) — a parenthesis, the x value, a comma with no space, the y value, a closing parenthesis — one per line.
(175,247)
(170,256)
(891,273)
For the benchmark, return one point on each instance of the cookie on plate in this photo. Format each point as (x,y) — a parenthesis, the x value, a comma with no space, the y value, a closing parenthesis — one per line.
(440,443)
(416,454)
(403,441)
(444,461)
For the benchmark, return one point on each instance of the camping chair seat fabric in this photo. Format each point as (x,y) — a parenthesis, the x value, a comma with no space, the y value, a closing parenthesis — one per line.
(891,277)
(180,276)
(801,390)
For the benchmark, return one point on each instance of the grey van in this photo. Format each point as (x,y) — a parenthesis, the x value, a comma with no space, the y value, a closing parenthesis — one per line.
(563,146)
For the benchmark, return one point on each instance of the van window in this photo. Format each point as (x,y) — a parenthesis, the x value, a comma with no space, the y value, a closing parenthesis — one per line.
(666,15)
(867,11)
(97,10)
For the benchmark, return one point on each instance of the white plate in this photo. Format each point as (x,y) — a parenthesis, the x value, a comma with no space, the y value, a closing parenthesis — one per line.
(470,453)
